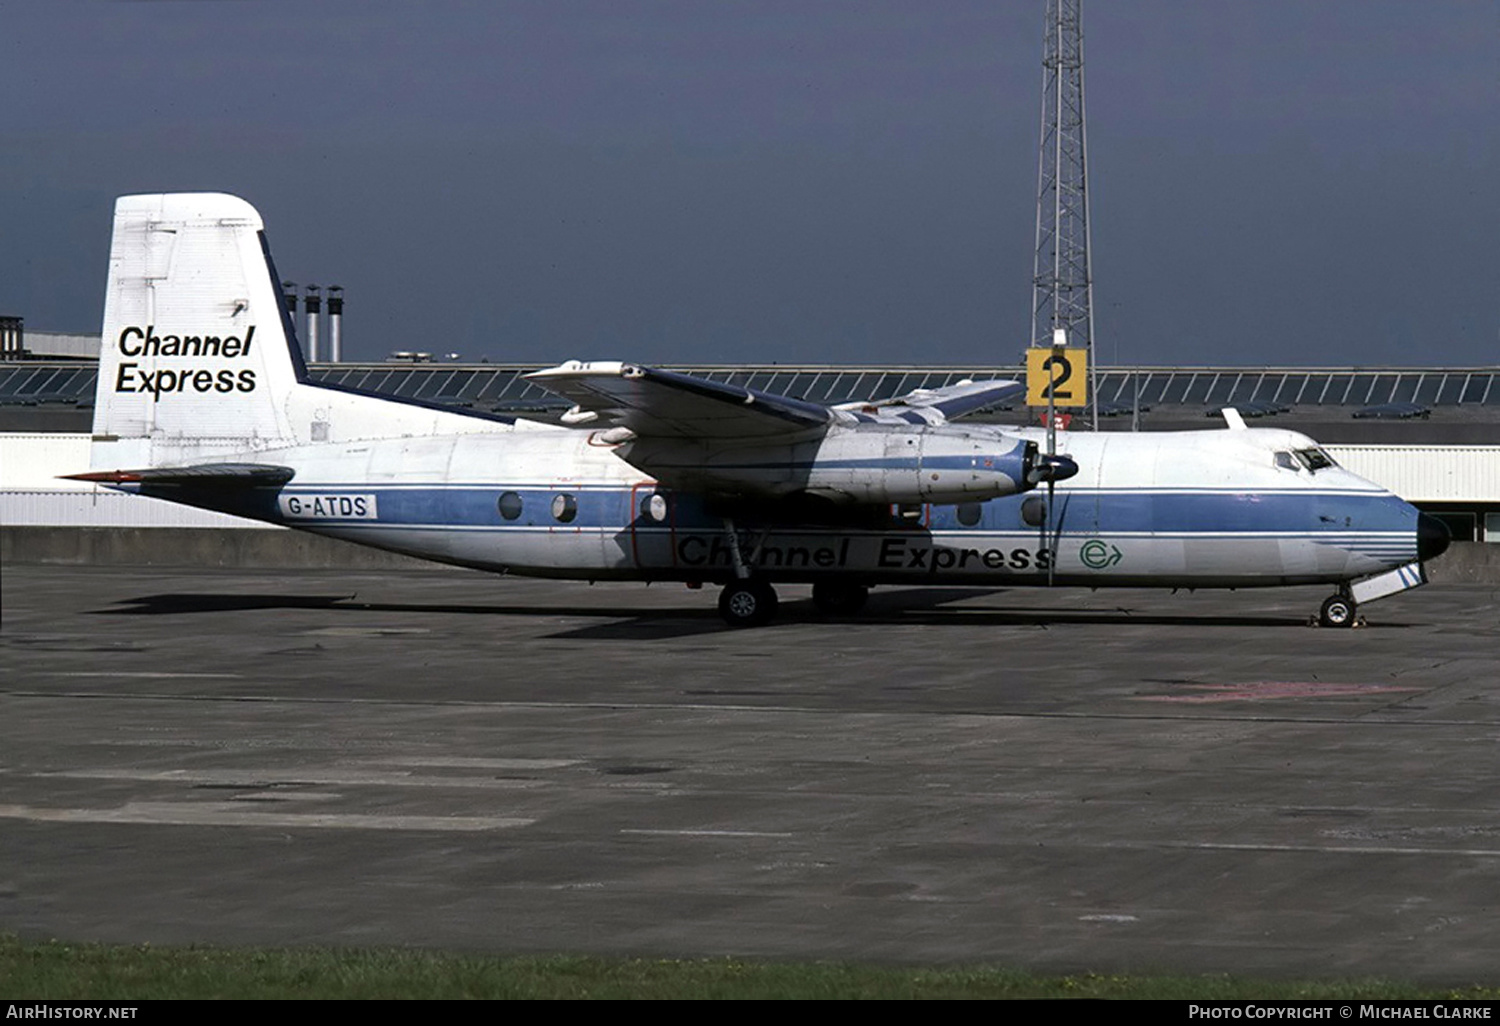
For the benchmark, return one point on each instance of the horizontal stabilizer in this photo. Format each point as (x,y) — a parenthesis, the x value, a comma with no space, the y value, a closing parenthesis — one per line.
(212,475)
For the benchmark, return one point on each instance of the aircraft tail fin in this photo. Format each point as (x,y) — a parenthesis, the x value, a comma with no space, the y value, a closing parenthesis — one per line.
(198,351)
(199,362)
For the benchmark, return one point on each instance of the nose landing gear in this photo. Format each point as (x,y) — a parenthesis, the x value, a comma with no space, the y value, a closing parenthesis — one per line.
(1338,611)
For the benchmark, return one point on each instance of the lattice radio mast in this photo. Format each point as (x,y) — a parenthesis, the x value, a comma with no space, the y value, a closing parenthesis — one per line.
(1062,293)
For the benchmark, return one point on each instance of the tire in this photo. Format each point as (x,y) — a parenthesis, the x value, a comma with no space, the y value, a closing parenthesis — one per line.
(838,598)
(747,603)
(1337,611)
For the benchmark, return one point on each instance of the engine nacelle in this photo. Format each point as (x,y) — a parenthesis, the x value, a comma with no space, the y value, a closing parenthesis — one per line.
(940,465)
(875,464)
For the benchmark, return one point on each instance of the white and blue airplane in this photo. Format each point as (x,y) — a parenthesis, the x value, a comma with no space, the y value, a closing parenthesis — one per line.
(204,399)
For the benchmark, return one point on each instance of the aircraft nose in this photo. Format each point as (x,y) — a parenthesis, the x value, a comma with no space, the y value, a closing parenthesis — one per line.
(1433,537)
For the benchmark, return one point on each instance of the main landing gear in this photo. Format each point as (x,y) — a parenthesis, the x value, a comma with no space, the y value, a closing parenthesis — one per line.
(751,602)
(747,602)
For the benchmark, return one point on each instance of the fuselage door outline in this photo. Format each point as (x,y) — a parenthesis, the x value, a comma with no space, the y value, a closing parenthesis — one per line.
(643,513)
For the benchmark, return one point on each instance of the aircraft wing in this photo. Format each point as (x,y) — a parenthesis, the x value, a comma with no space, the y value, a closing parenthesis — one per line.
(656,403)
(939,405)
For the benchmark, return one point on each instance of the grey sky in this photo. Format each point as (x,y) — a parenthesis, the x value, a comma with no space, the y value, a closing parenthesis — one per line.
(1278,181)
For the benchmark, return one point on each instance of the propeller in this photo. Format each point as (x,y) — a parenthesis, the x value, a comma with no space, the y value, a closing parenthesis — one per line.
(1052,468)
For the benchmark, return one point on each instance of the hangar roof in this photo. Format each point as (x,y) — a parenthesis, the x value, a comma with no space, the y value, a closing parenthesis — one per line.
(1335,404)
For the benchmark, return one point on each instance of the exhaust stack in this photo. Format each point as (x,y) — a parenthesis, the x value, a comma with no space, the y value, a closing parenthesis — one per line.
(336,323)
(313,304)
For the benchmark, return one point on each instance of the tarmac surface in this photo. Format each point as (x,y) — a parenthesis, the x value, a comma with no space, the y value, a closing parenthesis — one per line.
(1062,781)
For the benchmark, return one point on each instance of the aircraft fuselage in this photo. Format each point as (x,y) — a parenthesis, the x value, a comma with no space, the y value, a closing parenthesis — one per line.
(1175,509)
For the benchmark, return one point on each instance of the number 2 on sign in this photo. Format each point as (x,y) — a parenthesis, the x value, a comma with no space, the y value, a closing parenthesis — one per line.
(1058,375)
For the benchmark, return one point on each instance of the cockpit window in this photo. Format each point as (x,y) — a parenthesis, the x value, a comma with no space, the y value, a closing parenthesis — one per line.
(1314,459)
(1286,461)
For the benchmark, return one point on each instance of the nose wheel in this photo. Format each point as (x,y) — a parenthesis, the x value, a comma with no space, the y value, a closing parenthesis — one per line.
(747,603)
(1337,611)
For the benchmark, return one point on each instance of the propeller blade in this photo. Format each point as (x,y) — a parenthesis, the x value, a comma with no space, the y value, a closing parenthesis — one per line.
(1051,540)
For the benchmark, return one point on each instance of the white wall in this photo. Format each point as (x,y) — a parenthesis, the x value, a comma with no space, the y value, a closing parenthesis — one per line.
(1427,473)
(32,494)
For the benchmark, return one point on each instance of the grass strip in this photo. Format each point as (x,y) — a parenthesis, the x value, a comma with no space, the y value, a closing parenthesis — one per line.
(58,970)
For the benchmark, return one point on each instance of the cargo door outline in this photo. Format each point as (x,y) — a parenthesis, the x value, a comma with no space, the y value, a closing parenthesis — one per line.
(648,533)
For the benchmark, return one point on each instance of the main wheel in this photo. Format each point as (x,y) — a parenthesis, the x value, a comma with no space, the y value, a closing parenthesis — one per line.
(747,603)
(837,598)
(1337,611)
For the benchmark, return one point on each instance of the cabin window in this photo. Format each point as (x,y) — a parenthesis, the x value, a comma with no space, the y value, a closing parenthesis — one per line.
(564,508)
(969,513)
(654,507)
(510,505)
(1034,511)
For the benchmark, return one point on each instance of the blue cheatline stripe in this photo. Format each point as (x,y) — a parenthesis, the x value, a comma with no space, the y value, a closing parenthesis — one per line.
(1380,524)
(938,537)
(1232,512)
(1063,491)
(1338,518)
